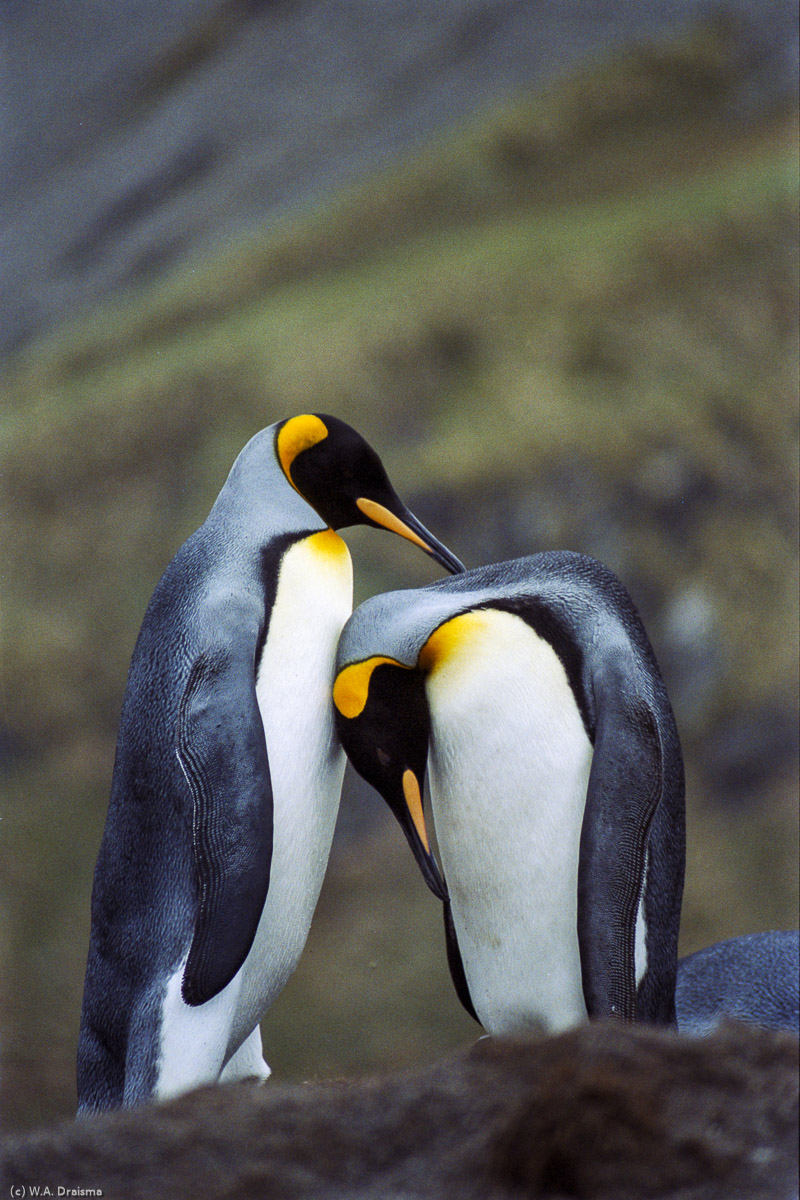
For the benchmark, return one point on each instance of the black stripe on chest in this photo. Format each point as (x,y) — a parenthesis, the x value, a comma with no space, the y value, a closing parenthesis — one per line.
(269,571)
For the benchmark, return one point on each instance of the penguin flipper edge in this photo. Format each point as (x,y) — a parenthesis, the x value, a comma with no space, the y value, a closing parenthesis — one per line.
(223,754)
(626,784)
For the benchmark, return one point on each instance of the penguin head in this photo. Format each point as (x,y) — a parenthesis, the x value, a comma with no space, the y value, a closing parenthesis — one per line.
(383,724)
(339,474)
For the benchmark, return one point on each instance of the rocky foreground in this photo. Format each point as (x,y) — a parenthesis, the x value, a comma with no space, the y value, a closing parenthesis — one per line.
(601,1111)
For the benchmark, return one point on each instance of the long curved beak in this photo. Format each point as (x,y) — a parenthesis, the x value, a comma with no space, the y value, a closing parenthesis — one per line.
(417,836)
(406,525)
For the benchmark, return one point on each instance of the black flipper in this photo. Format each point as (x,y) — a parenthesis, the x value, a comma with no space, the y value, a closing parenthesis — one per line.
(455,962)
(625,787)
(221,748)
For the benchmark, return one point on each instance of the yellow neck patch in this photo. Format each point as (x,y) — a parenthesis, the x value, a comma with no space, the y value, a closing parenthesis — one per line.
(351,689)
(299,433)
(328,543)
(451,637)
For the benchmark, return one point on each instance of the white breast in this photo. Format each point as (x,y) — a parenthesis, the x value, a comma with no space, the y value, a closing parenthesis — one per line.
(314,599)
(509,768)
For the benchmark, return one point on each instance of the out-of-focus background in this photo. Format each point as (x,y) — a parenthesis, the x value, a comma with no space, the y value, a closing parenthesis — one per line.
(544,256)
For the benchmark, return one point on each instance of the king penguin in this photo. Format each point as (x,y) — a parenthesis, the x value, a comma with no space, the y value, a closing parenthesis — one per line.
(228,772)
(530,693)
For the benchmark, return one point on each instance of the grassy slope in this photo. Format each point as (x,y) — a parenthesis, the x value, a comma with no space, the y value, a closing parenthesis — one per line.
(584,301)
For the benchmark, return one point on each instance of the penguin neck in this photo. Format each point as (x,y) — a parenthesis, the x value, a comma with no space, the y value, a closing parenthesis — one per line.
(257,496)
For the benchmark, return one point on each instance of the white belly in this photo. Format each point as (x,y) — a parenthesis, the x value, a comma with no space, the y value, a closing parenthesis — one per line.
(509,767)
(295,676)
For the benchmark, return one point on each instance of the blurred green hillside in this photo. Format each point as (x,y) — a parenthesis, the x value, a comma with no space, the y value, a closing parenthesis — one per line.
(571,324)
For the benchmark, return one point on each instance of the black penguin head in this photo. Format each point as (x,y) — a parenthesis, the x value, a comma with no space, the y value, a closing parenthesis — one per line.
(342,478)
(383,724)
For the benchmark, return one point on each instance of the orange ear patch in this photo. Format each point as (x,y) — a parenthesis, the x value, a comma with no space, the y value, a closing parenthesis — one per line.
(299,433)
(351,689)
